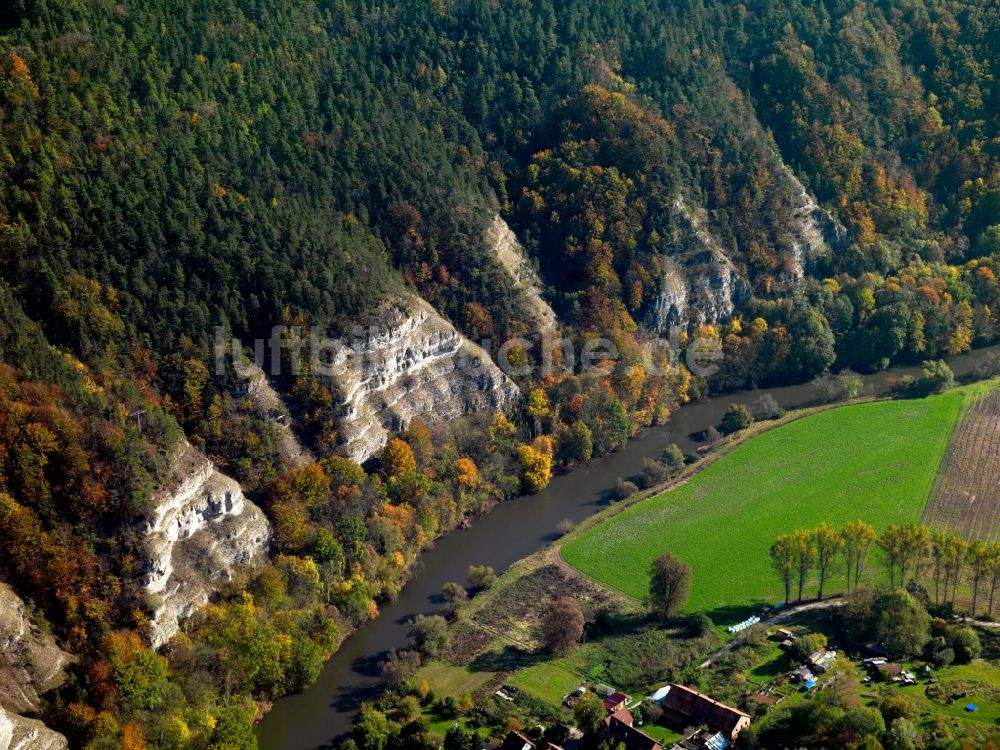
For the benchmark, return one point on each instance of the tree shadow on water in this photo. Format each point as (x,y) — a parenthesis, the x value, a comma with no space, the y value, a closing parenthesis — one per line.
(368,666)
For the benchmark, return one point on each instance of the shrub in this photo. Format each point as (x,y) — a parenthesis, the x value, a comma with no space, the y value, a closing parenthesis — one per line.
(625,488)
(481,577)
(653,473)
(673,458)
(736,418)
(766,407)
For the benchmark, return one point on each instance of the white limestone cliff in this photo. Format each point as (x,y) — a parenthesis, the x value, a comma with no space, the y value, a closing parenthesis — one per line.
(811,231)
(699,283)
(19,733)
(31,662)
(203,532)
(270,406)
(511,256)
(409,362)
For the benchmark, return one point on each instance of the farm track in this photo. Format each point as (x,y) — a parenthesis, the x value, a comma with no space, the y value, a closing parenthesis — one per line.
(787,615)
(966,494)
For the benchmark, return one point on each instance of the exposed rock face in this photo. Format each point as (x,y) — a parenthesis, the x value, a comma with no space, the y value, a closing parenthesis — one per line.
(30,663)
(202,532)
(512,257)
(270,406)
(410,362)
(812,231)
(19,733)
(700,284)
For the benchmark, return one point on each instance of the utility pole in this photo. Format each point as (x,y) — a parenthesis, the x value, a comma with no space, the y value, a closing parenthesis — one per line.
(138,419)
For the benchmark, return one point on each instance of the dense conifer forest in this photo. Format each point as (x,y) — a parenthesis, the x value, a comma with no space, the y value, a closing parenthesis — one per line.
(166,168)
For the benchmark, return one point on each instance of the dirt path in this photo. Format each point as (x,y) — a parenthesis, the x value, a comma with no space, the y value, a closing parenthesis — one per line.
(785,615)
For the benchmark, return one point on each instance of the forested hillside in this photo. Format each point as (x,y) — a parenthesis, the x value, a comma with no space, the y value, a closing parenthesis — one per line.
(813,185)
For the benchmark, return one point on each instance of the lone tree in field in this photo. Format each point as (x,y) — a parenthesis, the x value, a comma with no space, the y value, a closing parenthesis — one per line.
(858,537)
(828,544)
(669,585)
(562,624)
(783,561)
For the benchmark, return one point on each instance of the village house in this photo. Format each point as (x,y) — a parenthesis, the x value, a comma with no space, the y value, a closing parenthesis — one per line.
(618,727)
(703,740)
(889,671)
(517,741)
(615,701)
(684,707)
(883,668)
(820,661)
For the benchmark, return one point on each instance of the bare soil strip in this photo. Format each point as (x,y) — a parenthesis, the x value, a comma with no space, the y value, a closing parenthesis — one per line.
(966,494)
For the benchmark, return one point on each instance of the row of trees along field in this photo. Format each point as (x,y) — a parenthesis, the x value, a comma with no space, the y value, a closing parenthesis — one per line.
(910,554)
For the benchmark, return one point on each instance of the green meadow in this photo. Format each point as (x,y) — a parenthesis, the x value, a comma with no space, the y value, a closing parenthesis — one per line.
(874,461)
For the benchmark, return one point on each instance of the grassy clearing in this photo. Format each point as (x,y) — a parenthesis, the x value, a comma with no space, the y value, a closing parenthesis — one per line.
(664,736)
(875,461)
(445,679)
(549,681)
(979,679)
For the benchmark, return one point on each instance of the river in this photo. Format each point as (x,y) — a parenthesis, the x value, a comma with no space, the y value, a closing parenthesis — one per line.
(325,712)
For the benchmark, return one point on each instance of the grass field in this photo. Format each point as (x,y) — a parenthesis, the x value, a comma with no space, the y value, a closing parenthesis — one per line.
(551,681)
(978,680)
(445,679)
(874,461)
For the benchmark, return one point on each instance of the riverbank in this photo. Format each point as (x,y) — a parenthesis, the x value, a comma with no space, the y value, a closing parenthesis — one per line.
(510,532)
(496,636)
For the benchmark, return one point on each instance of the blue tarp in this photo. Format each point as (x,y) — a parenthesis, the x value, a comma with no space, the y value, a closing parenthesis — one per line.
(811,684)
(971,707)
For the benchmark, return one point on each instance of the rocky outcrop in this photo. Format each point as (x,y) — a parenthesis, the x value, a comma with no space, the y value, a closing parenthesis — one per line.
(513,259)
(409,362)
(699,283)
(30,662)
(19,733)
(203,532)
(811,231)
(270,406)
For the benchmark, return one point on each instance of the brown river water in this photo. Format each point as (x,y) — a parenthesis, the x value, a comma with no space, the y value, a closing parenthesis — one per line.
(324,713)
